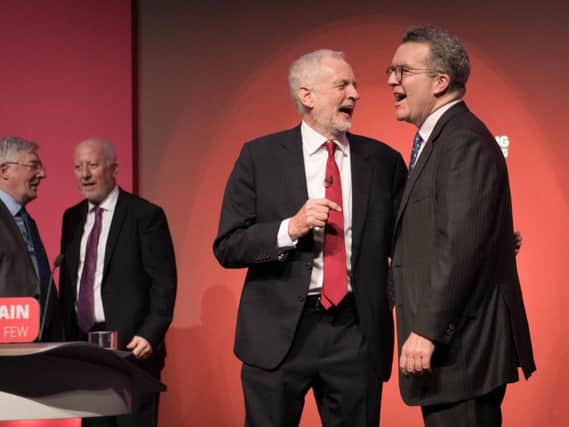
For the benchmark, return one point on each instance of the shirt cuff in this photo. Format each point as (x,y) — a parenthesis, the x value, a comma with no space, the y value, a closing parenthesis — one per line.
(283,238)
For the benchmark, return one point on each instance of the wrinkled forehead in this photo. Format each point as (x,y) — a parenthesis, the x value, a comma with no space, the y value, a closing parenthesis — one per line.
(26,156)
(89,152)
(331,68)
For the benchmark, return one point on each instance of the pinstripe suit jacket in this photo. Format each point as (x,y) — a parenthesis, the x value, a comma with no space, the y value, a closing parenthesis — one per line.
(454,266)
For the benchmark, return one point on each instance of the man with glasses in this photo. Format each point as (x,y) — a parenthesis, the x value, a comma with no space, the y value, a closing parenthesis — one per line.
(462,327)
(24,266)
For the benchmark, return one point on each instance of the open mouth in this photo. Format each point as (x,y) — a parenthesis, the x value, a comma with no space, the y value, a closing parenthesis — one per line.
(87,185)
(399,96)
(347,109)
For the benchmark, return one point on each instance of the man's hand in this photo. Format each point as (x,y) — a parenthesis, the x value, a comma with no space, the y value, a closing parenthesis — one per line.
(313,214)
(140,347)
(517,241)
(416,355)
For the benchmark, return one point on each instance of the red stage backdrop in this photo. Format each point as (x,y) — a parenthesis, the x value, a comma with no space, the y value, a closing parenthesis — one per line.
(214,74)
(66,76)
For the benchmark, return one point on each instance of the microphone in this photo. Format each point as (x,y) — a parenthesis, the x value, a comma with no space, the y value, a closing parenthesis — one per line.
(329,180)
(56,263)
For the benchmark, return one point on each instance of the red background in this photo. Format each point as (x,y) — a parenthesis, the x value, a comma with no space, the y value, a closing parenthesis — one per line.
(211,75)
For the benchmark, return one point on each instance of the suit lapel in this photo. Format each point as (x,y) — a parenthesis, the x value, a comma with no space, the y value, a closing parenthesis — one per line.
(75,247)
(7,218)
(425,155)
(293,159)
(414,175)
(117,222)
(361,179)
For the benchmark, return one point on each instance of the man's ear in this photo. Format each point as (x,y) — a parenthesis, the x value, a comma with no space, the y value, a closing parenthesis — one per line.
(441,84)
(305,96)
(3,170)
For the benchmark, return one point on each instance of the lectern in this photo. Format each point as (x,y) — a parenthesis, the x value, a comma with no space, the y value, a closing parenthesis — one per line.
(68,380)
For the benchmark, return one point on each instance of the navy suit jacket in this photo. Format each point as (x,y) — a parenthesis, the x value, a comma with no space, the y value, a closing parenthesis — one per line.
(267,185)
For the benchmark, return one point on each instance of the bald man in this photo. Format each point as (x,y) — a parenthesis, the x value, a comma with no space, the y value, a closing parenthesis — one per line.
(119,271)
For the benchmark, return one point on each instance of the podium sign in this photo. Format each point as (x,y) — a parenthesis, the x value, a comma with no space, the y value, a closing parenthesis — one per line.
(19,320)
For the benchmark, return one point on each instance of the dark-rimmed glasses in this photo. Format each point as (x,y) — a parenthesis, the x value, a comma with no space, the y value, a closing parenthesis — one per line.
(400,70)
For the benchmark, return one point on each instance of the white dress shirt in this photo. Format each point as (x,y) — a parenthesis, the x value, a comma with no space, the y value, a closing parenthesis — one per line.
(108,206)
(315,158)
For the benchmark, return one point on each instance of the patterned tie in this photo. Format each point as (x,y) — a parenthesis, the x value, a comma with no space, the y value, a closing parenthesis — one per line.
(24,224)
(334,286)
(415,151)
(85,300)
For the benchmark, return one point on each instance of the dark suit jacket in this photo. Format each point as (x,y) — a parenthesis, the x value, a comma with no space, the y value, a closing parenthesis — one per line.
(139,274)
(18,277)
(454,265)
(267,185)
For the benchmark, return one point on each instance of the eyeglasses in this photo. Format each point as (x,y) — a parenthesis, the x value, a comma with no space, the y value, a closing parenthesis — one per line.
(34,166)
(400,70)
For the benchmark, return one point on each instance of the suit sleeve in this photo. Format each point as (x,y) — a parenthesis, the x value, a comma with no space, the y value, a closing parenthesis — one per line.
(159,263)
(242,240)
(464,201)
(399,178)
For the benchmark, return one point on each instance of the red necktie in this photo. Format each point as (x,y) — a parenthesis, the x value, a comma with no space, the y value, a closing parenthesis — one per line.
(334,286)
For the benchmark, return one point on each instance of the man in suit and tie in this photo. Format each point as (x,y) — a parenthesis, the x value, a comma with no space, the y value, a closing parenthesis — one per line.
(24,266)
(119,271)
(462,327)
(309,212)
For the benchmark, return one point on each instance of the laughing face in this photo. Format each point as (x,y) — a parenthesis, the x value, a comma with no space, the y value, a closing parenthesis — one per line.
(95,171)
(331,99)
(416,86)
(23,175)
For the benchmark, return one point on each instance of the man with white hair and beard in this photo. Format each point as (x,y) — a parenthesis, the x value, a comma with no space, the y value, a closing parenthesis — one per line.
(309,212)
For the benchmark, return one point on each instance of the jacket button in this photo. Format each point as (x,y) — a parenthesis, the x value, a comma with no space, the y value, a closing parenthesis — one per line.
(301,298)
(308,265)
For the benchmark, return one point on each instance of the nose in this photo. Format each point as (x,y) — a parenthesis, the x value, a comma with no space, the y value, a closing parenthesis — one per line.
(83,171)
(391,80)
(41,174)
(353,93)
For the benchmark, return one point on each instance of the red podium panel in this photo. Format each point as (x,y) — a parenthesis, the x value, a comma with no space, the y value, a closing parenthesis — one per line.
(19,320)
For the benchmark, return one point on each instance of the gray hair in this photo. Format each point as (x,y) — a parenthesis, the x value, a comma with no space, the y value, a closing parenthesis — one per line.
(448,55)
(10,145)
(305,70)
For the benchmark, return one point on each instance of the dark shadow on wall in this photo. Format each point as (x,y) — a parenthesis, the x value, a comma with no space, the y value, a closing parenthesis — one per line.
(202,373)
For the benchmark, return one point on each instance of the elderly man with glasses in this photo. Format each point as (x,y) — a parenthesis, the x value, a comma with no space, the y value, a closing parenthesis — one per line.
(24,267)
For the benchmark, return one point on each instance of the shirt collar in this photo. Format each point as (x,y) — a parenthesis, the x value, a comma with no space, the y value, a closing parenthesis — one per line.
(312,140)
(13,206)
(431,121)
(109,203)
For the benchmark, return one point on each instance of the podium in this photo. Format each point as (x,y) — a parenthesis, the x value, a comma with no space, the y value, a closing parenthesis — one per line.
(68,380)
